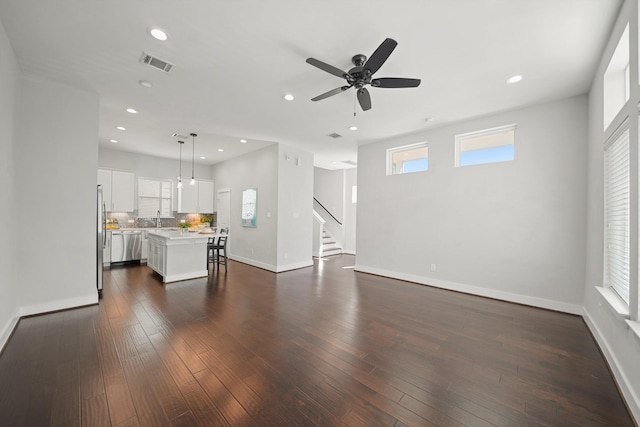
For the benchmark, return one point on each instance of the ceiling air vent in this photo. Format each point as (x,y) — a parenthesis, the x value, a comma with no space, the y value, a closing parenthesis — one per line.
(154,62)
(335,135)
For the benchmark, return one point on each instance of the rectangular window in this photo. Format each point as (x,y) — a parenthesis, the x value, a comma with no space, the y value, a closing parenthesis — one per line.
(154,195)
(408,159)
(616,213)
(486,146)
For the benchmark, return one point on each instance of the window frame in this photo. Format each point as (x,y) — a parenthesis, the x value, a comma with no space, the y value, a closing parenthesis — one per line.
(464,137)
(159,198)
(400,149)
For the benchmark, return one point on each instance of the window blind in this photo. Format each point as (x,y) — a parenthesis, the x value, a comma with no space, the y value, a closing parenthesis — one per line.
(154,196)
(616,213)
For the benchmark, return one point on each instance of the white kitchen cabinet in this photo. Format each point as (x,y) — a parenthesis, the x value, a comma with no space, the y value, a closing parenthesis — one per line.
(145,245)
(188,198)
(198,198)
(122,191)
(118,189)
(104,179)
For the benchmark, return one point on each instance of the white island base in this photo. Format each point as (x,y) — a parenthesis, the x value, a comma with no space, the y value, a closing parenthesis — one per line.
(176,256)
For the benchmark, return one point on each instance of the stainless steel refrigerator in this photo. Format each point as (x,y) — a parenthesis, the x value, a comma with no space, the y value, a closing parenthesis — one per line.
(101,238)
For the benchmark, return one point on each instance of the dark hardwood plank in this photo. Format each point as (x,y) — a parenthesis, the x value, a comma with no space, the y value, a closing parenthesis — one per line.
(314,346)
(121,406)
(95,411)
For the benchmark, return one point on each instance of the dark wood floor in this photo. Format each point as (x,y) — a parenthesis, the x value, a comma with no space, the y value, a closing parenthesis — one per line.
(316,346)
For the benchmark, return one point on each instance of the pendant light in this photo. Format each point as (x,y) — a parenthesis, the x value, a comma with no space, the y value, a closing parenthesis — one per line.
(180,176)
(193,158)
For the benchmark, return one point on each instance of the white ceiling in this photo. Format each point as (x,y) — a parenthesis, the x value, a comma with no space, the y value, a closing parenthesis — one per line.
(234,61)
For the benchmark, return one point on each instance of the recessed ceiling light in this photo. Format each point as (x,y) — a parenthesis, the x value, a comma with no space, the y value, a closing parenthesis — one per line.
(429,119)
(121,128)
(132,111)
(202,157)
(334,163)
(158,34)
(514,79)
(288,97)
(353,128)
(115,141)
(244,141)
(145,83)
(220,149)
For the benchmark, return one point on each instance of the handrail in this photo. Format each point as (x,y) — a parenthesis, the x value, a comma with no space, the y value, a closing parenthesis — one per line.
(327,211)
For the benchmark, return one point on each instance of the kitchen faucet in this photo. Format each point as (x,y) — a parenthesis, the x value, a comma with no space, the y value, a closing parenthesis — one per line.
(158,220)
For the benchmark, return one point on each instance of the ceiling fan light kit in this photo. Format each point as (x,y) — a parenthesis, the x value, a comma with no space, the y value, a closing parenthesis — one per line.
(361,74)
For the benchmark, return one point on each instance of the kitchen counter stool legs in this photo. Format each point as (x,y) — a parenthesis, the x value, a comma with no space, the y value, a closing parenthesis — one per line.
(211,251)
(217,252)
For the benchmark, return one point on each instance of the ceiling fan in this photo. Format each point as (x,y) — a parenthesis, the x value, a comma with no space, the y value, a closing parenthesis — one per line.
(362,74)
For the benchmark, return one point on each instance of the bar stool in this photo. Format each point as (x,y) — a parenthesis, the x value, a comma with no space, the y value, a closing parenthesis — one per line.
(220,256)
(211,249)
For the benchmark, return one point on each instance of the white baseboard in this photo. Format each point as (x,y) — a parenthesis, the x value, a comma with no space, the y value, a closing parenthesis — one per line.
(59,305)
(262,265)
(476,290)
(19,312)
(295,266)
(271,267)
(630,396)
(8,328)
(170,278)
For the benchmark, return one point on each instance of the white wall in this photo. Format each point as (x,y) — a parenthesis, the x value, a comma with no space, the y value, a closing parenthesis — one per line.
(55,195)
(9,85)
(618,343)
(350,211)
(295,208)
(513,230)
(150,166)
(328,189)
(259,169)
(333,190)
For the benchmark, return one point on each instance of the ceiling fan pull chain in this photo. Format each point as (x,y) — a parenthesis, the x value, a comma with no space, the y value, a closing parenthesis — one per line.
(355,96)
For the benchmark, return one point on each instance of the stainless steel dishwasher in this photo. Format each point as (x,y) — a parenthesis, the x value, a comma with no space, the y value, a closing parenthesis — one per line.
(126,245)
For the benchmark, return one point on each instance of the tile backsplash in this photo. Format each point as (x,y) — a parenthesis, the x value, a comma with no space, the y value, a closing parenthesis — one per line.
(131,220)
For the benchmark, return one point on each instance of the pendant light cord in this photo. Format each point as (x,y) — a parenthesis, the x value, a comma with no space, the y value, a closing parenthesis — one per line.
(193,157)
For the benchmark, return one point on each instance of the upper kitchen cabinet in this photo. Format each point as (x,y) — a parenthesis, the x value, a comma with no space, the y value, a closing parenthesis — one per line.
(118,189)
(198,198)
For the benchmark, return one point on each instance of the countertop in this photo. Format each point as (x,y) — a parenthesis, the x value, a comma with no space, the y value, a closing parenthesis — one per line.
(177,235)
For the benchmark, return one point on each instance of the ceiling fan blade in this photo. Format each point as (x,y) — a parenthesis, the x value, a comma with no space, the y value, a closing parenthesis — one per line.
(395,82)
(381,54)
(331,93)
(326,67)
(364,99)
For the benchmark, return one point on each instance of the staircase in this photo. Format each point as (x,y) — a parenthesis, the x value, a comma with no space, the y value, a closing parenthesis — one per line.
(329,245)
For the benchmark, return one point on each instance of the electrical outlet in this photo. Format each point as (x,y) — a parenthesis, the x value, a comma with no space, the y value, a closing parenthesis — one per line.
(433,267)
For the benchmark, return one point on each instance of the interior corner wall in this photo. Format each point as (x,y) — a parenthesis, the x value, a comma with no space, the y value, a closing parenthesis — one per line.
(56,157)
(295,208)
(328,189)
(617,341)
(513,231)
(350,211)
(9,85)
(258,169)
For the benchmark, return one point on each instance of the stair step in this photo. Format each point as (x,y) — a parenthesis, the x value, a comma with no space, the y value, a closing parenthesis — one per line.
(330,252)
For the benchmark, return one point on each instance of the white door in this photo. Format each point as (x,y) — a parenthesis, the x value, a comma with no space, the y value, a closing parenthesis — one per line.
(223,202)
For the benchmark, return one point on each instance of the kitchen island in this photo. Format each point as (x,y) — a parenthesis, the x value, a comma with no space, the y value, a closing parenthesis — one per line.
(177,256)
